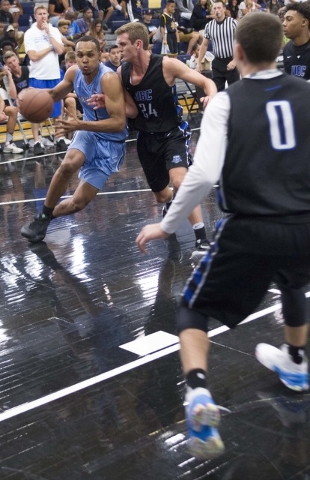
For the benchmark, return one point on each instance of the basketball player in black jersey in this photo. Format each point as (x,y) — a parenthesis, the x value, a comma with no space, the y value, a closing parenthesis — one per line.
(265,185)
(296,53)
(163,137)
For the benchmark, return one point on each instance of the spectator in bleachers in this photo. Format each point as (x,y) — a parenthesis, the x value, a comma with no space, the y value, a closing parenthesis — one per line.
(168,29)
(43,45)
(185,7)
(96,31)
(147,21)
(6,18)
(16,10)
(8,115)
(10,34)
(114,60)
(202,14)
(273,7)
(132,10)
(74,32)
(205,64)
(17,76)
(80,5)
(248,6)
(232,9)
(167,26)
(106,10)
(70,59)
(84,22)
(63,27)
(7,46)
(57,10)
(191,38)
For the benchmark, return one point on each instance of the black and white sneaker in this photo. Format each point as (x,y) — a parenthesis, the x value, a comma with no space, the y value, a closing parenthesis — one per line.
(36,230)
(61,145)
(202,248)
(38,148)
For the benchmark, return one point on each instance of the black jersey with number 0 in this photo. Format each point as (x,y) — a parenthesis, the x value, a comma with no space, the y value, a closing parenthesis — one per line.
(264,144)
(154,98)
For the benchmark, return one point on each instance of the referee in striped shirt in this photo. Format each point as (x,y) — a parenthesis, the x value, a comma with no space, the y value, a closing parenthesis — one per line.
(220,32)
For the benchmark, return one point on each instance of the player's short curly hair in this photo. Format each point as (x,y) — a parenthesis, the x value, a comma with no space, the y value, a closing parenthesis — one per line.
(303,8)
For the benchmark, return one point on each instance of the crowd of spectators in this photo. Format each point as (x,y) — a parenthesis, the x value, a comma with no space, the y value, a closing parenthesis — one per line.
(182,22)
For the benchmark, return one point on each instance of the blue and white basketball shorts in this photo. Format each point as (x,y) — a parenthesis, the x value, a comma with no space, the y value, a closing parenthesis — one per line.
(102,157)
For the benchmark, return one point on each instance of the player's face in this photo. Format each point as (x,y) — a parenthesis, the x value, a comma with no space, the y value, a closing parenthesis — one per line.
(87,58)
(127,50)
(293,24)
(115,56)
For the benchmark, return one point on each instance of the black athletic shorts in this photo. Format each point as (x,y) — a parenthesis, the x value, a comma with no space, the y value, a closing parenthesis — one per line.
(159,153)
(103,5)
(246,256)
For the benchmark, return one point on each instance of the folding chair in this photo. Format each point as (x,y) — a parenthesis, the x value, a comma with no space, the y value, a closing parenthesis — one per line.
(187,92)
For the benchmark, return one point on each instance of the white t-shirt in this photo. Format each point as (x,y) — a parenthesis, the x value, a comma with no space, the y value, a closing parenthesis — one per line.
(48,67)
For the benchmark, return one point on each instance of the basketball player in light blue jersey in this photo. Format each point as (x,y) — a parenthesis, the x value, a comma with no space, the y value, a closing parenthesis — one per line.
(98,145)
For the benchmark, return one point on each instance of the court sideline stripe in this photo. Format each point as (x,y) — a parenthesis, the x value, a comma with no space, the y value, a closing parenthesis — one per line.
(12,202)
(26,407)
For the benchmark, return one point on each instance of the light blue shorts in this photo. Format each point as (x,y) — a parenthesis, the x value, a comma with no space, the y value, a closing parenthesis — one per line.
(33,82)
(102,157)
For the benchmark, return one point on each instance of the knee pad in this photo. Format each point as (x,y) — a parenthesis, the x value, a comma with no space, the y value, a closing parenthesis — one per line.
(187,318)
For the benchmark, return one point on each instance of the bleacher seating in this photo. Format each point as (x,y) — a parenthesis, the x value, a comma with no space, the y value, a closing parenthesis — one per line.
(23,20)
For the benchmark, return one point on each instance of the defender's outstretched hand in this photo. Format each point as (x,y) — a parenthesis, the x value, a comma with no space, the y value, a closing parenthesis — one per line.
(150,232)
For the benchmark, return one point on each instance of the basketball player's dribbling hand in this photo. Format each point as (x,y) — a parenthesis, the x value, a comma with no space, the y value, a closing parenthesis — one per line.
(149,232)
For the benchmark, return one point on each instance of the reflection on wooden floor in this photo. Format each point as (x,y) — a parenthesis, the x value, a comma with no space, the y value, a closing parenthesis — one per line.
(77,402)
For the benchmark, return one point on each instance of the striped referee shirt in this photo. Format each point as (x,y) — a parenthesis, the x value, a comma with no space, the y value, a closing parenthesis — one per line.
(221,35)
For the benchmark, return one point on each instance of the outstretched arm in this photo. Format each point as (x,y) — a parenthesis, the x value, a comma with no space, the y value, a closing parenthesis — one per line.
(174,69)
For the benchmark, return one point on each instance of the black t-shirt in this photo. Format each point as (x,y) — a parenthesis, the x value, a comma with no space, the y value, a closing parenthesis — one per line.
(22,81)
(59,8)
(6,17)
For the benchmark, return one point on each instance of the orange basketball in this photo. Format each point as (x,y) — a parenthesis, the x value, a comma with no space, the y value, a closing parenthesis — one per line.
(35,105)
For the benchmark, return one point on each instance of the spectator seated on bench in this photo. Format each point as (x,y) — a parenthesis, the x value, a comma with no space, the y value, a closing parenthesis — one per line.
(8,115)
